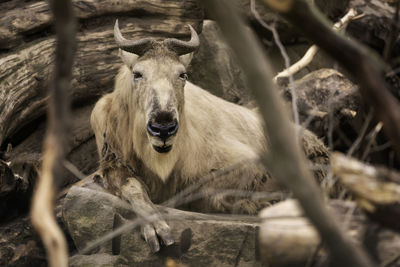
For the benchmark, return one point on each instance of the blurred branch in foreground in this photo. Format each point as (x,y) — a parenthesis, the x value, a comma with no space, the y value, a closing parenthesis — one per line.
(284,159)
(42,211)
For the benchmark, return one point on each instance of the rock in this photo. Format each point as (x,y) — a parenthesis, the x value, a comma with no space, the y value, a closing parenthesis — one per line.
(20,245)
(280,237)
(97,260)
(287,238)
(200,239)
(214,67)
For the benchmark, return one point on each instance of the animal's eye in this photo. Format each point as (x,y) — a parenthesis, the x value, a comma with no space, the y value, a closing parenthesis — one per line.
(137,75)
(183,76)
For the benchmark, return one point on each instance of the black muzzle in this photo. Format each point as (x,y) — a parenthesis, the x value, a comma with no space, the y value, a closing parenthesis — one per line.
(162,131)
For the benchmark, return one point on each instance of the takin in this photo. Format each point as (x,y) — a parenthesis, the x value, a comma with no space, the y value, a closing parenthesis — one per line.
(158,134)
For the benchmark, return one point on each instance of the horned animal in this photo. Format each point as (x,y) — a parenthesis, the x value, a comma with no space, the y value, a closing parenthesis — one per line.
(157,134)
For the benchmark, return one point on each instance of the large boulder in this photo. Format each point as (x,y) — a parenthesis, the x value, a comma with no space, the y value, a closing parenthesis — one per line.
(98,260)
(200,239)
(287,237)
(214,67)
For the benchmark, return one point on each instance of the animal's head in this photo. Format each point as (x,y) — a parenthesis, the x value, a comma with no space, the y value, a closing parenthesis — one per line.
(158,76)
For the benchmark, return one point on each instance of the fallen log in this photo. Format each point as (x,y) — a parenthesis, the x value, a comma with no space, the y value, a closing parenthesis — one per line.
(20,19)
(326,99)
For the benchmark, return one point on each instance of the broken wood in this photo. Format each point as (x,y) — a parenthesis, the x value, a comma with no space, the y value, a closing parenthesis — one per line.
(376,189)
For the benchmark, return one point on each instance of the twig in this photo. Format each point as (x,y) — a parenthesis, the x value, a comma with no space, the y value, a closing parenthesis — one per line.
(390,261)
(313,256)
(286,59)
(172,202)
(296,67)
(393,72)
(74,170)
(312,51)
(361,135)
(56,138)
(394,33)
(381,147)
(330,123)
(285,160)
(268,196)
(371,138)
(358,61)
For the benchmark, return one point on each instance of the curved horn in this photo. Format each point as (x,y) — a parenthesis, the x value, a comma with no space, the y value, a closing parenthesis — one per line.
(183,47)
(138,47)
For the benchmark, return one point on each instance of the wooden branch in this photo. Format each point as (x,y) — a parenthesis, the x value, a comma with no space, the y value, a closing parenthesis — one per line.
(42,211)
(361,63)
(299,65)
(376,189)
(284,159)
(312,51)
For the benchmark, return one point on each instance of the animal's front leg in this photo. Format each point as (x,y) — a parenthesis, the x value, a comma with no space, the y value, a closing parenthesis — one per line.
(134,192)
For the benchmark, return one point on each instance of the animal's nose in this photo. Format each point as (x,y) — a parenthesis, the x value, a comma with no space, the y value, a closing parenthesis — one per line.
(163,131)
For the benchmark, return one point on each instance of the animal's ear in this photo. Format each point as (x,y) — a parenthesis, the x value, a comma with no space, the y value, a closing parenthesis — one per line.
(186,59)
(129,59)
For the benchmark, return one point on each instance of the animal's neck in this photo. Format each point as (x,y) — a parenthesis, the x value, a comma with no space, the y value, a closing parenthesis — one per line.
(161,164)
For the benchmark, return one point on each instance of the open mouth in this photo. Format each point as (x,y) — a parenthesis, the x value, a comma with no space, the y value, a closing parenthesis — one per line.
(162,149)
